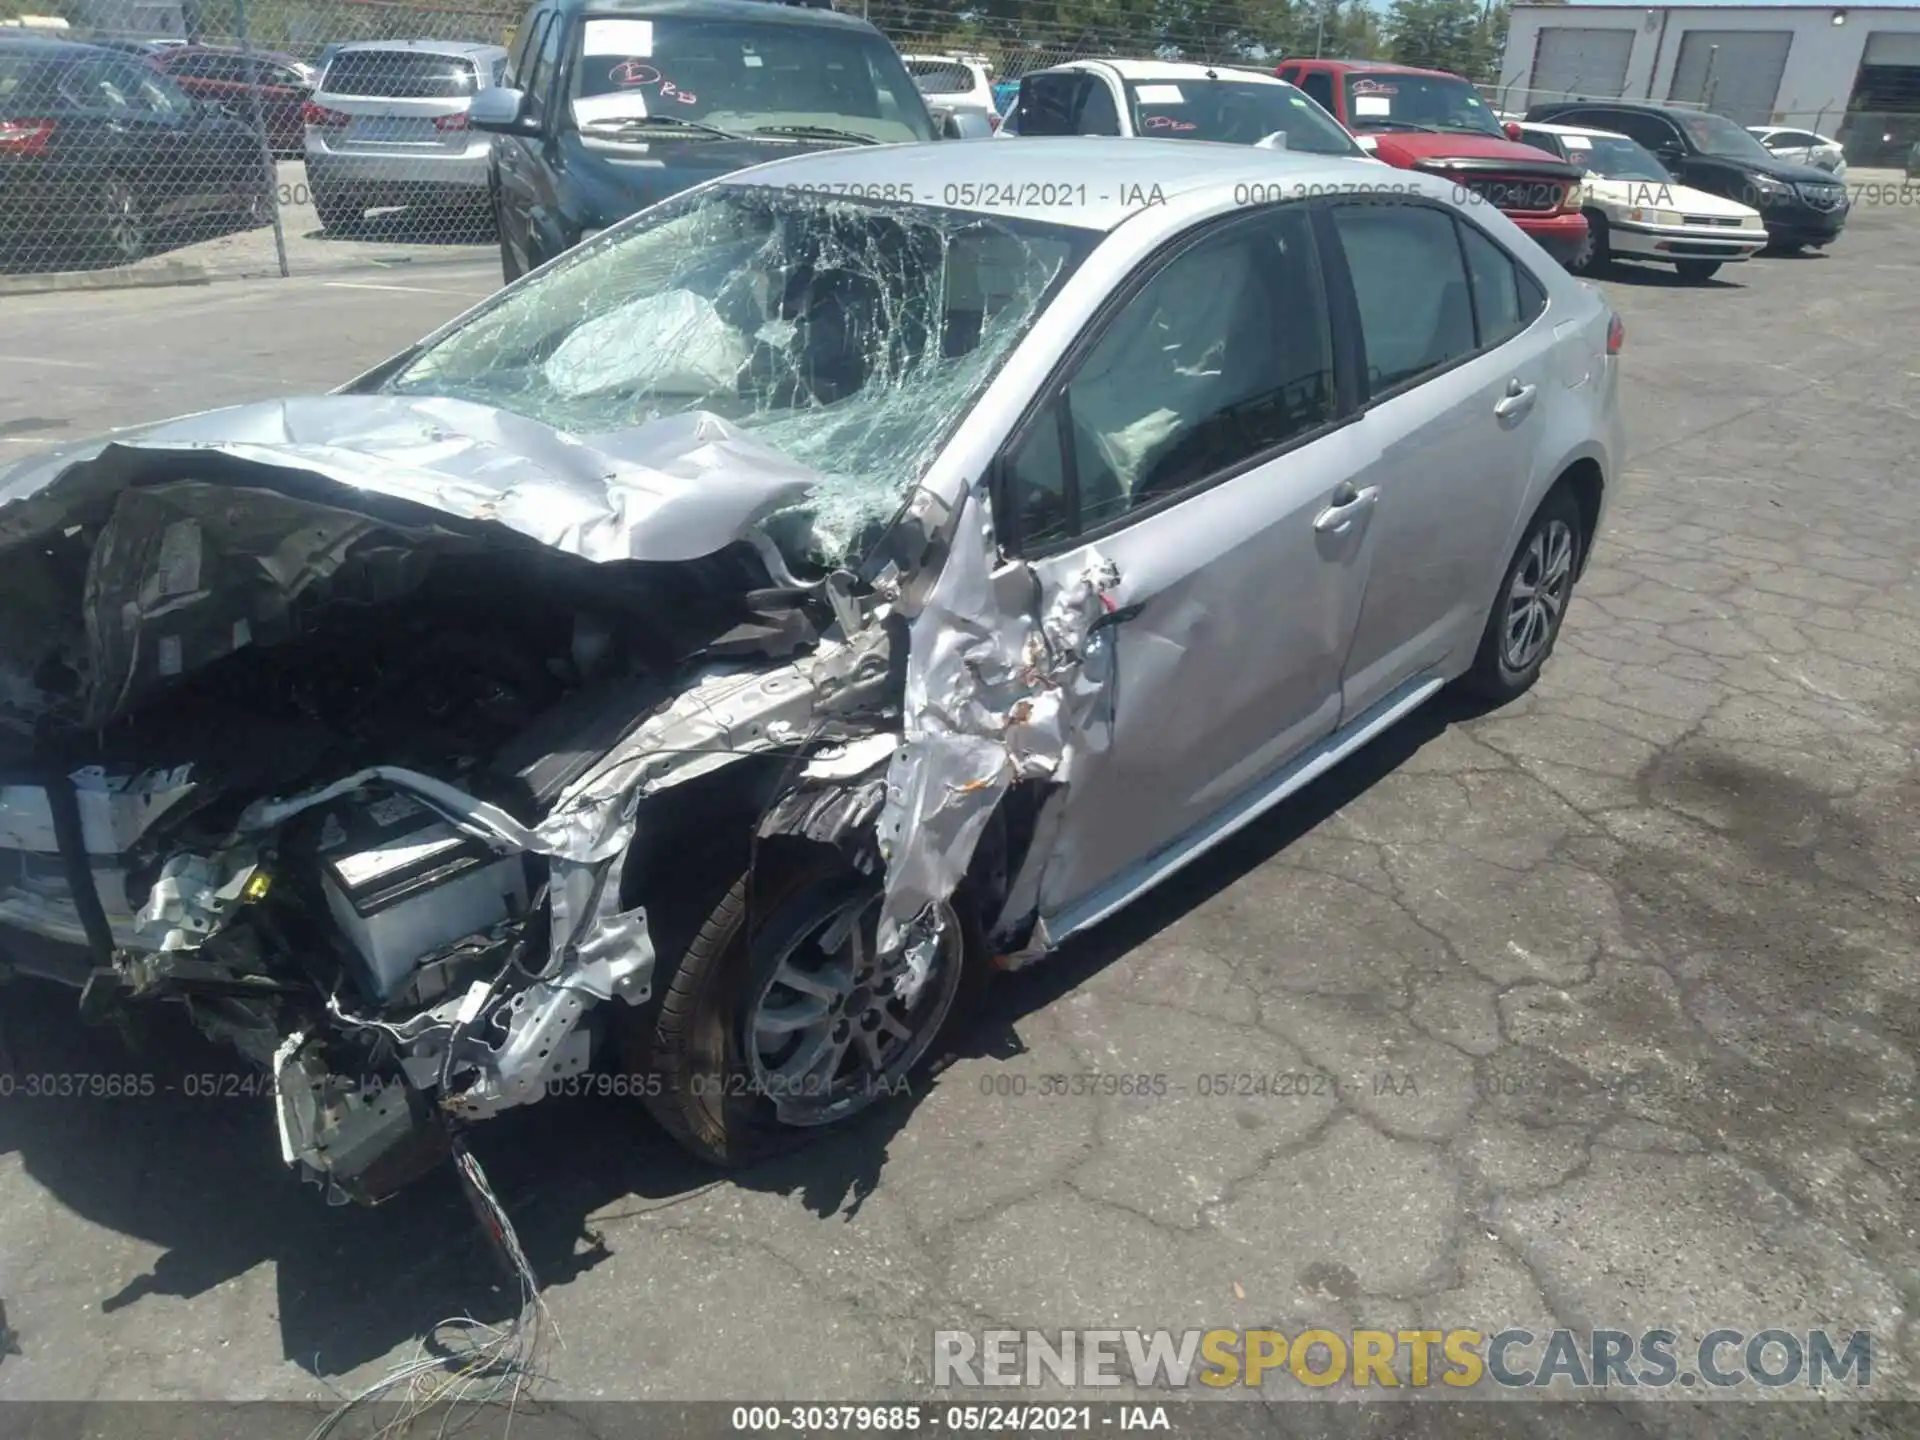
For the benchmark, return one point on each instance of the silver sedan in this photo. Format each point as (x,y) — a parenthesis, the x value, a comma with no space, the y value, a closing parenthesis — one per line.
(715,653)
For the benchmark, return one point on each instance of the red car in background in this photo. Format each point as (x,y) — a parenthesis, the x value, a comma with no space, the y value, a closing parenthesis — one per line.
(219,74)
(1434,121)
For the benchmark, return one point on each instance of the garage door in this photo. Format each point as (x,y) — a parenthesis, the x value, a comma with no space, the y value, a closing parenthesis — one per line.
(1587,64)
(1735,73)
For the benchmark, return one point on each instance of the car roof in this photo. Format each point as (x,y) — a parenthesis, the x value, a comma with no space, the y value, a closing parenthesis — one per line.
(1140,70)
(1107,175)
(1634,106)
(420,47)
(1548,128)
(765,12)
(168,52)
(1388,66)
(48,48)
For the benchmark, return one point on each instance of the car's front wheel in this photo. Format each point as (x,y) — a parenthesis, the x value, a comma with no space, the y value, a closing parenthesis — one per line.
(121,234)
(782,1018)
(1532,602)
(1594,256)
(1695,271)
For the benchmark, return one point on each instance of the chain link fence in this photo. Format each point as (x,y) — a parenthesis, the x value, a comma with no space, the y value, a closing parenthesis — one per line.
(277,137)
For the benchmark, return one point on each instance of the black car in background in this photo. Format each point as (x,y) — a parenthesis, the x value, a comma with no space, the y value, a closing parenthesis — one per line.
(1799,204)
(609,107)
(99,152)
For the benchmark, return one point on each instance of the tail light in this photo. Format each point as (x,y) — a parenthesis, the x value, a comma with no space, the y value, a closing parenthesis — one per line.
(321,118)
(1616,335)
(24,137)
(447,123)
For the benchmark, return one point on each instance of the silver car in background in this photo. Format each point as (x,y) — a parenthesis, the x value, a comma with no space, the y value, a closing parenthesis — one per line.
(720,650)
(387,125)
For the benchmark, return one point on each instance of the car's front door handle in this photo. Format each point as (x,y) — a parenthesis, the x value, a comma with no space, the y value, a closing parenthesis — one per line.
(1345,506)
(1519,400)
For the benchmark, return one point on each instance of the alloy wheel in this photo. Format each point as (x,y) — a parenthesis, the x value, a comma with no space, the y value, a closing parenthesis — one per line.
(121,233)
(837,1026)
(1536,595)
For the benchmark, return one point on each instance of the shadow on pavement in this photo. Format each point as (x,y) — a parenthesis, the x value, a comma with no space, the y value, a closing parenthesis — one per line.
(194,1168)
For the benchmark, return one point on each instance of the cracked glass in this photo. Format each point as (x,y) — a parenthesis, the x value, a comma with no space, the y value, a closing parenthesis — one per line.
(851,336)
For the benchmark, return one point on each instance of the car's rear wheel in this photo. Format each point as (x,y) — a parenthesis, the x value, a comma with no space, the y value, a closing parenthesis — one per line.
(338,213)
(781,1018)
(1696,271)
(120,236)
(1531,603)
(1594,256)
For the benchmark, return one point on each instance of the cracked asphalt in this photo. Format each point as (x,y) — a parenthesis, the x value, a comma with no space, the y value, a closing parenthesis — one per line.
(1598,1010)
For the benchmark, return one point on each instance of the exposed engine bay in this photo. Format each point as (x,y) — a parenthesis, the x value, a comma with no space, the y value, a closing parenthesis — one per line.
(360,794)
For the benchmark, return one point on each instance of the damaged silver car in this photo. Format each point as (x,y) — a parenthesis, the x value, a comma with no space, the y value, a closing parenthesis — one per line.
(717,652)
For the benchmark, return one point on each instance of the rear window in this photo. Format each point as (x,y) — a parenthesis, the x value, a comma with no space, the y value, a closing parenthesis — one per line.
(934,78)
(399,75)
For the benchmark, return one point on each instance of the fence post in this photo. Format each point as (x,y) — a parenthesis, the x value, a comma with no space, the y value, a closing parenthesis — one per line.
(266,143)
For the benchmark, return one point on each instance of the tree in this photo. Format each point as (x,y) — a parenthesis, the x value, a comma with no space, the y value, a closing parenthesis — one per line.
(1456,35)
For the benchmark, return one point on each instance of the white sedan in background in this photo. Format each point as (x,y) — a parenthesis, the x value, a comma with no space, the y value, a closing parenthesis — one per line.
(1637,211)
(1803,147)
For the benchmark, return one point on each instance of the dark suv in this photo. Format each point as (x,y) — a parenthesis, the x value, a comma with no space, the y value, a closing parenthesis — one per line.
(609,107)
(1799,204)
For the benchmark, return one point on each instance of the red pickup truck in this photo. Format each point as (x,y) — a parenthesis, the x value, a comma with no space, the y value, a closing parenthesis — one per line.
(1432,121)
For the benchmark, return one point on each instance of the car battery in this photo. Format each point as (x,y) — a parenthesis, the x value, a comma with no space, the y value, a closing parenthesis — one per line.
(403,884)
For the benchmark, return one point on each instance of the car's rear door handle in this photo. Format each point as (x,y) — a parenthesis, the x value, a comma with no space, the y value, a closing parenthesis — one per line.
(1346,505)
(1519,400)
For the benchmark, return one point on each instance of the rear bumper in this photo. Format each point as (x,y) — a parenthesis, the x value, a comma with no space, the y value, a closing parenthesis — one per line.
(1561,236)
(377,176)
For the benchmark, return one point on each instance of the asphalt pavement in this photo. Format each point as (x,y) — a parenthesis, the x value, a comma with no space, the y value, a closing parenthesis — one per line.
(1618,983)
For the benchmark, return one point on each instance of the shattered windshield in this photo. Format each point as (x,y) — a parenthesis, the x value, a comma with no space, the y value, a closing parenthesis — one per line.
(849,335)
(747,77)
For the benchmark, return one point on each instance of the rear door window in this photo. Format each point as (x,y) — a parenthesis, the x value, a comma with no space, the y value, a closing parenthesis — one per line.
(937,78)
(1505,298)
(1416,308)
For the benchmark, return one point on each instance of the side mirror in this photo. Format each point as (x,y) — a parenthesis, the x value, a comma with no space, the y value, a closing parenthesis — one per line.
(1667,154)
(1513,130)
(502,111)
(965,125)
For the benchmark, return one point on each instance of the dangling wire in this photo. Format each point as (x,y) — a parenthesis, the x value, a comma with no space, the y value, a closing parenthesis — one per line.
(463,1363)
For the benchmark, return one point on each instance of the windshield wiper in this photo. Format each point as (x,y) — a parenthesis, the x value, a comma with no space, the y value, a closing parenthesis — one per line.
(1371,123)
(668,122)
(815,132)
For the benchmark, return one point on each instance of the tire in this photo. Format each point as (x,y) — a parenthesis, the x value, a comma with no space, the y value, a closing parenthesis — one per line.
(338,214)
(1596,256)
(1696,271)
(709,1080)
(1554,541)
(1787,247)
(121,234)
